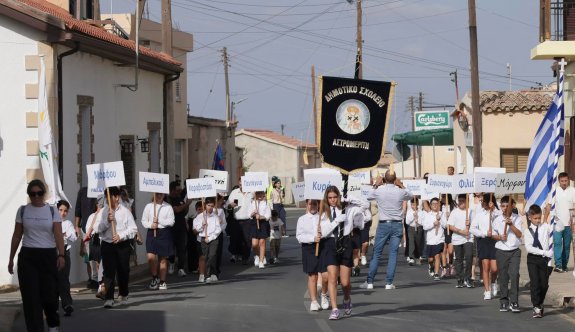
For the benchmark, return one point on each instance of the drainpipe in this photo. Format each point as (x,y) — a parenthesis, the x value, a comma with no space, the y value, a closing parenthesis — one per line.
(167,81)
(61,109)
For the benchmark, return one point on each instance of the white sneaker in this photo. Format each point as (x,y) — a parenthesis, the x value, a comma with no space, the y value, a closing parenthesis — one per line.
(108,304)
(365,285)
(363,260)
(261,265)
(53,329)
(213,278)
(163,286)
(123,300)
(390,286)
(487,295)
(256,261)
(202,278)
(265,261)
(314,306)
(494,290)
(182,273)
(276,260)
(324,301)
(171,268)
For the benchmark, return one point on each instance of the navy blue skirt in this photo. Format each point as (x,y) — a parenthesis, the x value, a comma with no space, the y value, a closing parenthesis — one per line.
(432,250)
(161,245)
(365,232)
(309,260)
(486,248)
(263,232)
(356,238)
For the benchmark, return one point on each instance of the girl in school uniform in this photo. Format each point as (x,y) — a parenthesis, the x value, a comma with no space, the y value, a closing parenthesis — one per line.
(309,231)
(482,229)
(434,225)
(159,240)
(260,214)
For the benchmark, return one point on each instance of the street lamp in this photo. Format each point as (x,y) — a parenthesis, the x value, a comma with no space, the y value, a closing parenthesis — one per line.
(234,103)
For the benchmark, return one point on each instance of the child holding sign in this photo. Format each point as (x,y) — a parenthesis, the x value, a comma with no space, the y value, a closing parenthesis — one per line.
(260,228)
(158,218)
(208,226)
(433,225)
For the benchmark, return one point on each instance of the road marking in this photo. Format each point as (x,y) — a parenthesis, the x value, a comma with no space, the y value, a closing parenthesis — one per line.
(323,325)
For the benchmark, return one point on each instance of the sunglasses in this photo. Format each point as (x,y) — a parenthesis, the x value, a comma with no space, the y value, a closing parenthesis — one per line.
(36,193)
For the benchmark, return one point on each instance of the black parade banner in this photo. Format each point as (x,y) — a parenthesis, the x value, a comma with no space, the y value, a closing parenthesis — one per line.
(353,122)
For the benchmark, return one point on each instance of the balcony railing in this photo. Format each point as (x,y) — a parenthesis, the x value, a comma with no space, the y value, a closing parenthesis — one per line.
(557,20)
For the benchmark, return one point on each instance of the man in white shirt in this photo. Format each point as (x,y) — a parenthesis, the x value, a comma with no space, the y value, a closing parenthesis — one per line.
(562,234)
(241,202)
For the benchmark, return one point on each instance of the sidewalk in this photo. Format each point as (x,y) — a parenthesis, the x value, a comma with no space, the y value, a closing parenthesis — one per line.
(10,301)
(561,291)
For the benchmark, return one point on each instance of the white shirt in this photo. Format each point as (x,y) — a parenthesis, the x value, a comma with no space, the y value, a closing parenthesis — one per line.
(412,219)
(38,223)
(328,216)
(389,198)
(125,225)
(275,228)
(434,235)
(164,213)
(564,201)
(222,216)
(354,214)
(211,221)
(262,208)
(93,222)
(480,222)
(512,242)
(457,218)
(242,210)
(544,239)
(69,233)
(307,229)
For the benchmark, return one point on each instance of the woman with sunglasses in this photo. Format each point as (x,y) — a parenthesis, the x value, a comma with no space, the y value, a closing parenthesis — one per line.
(39,228)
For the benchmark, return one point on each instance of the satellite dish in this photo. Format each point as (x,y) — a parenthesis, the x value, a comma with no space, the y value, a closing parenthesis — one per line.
(401,152)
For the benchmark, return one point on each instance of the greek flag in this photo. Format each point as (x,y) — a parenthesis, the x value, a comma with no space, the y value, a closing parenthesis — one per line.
(547,146)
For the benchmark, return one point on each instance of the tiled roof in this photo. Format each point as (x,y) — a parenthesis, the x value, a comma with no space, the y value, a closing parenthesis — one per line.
(513,101)
(271,135)
(94,31)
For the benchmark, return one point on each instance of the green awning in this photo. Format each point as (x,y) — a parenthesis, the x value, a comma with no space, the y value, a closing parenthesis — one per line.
(425,137)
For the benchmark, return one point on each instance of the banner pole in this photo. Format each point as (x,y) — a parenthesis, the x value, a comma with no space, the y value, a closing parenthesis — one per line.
(155,214)
(110,208)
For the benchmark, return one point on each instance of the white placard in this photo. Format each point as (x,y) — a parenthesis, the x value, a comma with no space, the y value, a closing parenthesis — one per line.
(104,175)
(463,184)
(428,195)
(316,184)
(416,187)
(298,191)
(255,182)
(203,187)
(221,178)
(154,182)
(320,171)
(358,190)
(485,182)
(360,178)
(510,183)
(439,183)
(259,175)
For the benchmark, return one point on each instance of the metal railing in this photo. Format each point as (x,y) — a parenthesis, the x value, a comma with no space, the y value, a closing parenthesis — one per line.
(555,18)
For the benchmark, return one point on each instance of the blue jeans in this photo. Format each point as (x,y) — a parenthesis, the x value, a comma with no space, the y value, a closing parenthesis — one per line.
(392,232)
(562,247)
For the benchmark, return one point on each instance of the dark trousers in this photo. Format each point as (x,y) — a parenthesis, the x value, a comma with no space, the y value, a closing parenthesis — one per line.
(180,235)
(37,275)
(246,238)
(192,251)
(281,214)
(406,250)
(508,267)
(415,236)
(235,232)
(116,260)
(210,252)
(219,253)
(539,274)
(64,283)
(463,252)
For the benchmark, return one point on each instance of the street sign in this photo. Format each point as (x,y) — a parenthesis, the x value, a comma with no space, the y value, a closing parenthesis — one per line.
(431,120)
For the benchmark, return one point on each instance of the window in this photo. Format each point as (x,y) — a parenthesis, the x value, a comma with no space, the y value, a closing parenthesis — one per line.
(155,151)
(178,91)
(85,137)
(515,161)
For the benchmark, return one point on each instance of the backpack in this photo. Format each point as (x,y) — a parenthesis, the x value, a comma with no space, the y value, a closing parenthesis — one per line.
(23,207)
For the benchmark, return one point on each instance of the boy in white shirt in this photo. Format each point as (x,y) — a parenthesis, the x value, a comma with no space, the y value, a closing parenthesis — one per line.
(69,233)
(434,224)
(539,258)
(276,237)
(208,226)
(462,241)
(507,233)
(414,219)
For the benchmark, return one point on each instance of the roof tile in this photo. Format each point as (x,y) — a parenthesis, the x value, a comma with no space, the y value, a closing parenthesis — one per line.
(271,135)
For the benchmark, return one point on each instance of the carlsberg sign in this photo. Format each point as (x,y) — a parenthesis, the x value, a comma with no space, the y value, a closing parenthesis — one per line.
(431,120)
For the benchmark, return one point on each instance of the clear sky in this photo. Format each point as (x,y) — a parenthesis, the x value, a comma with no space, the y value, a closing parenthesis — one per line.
(272,45)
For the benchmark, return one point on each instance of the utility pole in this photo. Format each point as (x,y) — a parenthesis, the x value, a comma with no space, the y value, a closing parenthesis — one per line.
(314,101)
(169,116)
(359,41)
(476,115)
(226,65)
(282,126)
(509,74)
(142,6)
(454,80)
(420,108)
(411,104)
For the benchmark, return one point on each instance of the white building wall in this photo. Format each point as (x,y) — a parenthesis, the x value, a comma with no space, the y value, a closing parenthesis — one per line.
(16,42)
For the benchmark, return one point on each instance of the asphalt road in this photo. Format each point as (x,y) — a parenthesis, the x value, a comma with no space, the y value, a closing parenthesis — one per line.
(274,298)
